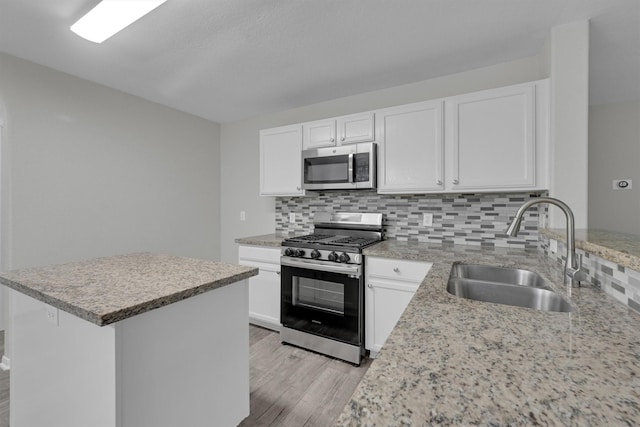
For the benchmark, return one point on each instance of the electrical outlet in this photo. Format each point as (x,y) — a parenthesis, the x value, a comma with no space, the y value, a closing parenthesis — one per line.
(427,219)
(292,217)
(51,314)
(622,184)
(553,246)
(243,216)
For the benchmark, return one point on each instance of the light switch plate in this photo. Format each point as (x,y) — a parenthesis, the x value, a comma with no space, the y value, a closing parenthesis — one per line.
(553,246)
(427,219)
(243,216)
(292,217)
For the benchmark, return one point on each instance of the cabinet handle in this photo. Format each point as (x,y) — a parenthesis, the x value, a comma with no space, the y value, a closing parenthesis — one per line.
(278,273)
(396,269)
(342,139)
(333,140)
(455,182)
(369,286)
(439,182)
(298,188)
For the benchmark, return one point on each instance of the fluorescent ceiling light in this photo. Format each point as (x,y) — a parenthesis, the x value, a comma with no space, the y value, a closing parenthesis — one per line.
(111,16)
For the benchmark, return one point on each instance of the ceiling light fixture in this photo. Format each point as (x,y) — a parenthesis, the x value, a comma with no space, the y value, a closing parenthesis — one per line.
(111,16)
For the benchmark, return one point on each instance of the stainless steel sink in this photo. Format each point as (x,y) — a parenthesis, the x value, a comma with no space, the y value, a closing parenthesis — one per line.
(509,286)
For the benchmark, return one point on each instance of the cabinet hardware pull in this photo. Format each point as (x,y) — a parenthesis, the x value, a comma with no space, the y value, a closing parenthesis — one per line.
(455,181)
(278,273)
(439,182)
(342,139)
(332,139)
(396,269)
(369,286)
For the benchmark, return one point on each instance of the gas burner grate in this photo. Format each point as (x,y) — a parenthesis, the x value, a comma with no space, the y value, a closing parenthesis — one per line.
(310,238)
(354,241)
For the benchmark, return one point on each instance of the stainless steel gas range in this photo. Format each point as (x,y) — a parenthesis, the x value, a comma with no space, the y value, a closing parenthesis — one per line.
(322,284)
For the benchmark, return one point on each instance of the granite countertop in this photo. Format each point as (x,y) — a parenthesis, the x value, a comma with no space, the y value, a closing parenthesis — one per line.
(273,239)
(111,289)
(453,361)
(621,248)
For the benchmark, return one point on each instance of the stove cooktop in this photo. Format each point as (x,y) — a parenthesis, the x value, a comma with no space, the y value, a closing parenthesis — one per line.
(355,242)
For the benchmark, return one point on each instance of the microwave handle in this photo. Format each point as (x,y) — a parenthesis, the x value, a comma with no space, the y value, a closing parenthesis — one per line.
(350,166)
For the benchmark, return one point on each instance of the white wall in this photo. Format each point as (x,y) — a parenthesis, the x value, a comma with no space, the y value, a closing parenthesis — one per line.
(91,171)
(614,153)
(239,141)
(88,171)
(567,58)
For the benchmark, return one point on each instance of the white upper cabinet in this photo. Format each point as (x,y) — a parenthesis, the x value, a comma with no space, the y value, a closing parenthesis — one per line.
(356,128)
(488,141)
(410,148)
(339,131)
(281,161)
(321,133)
(494,140)
(491,138)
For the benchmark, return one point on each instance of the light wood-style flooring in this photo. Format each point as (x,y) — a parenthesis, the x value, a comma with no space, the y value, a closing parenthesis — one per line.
(289,386)
(295,387)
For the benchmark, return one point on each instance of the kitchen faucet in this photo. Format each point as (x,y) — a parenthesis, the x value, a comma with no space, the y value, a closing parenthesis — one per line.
(573,272)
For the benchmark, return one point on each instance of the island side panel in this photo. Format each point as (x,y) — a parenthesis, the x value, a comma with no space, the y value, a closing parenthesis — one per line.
(186,363)
(62,373)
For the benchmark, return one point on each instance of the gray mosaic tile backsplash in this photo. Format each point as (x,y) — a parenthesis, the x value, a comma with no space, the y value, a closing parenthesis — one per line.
(621,283)
(471,219)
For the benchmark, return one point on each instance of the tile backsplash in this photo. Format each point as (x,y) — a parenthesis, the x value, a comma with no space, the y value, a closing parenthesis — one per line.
(620,282)
(472,219)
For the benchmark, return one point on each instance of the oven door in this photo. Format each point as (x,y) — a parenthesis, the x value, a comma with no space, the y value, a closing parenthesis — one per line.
(324,300)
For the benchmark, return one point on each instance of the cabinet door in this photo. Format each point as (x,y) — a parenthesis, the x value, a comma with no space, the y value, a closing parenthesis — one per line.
(281,161)
(410,148)
(492,139)
(321,133)
(385,301)
(356,128)
(264,289)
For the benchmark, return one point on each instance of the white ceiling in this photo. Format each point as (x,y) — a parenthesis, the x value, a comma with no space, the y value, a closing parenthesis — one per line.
(227,60)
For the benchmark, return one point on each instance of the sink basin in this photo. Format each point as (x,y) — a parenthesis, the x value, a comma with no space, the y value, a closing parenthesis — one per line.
(509,286)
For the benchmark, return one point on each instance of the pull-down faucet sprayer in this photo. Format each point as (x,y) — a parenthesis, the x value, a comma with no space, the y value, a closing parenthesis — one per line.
(573,272)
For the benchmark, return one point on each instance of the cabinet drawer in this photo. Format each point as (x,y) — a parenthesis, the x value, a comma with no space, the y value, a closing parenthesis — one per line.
(259,254)
(397,269)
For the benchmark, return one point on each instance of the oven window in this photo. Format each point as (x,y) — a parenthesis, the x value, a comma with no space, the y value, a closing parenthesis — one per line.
(318,294)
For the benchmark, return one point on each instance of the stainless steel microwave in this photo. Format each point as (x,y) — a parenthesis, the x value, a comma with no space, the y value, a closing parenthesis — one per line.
(346,167)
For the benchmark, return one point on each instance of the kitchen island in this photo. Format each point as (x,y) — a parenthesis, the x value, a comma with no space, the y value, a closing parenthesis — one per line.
(130,340)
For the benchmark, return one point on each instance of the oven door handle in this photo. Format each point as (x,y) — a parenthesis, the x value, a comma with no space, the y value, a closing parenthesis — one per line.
(354,270)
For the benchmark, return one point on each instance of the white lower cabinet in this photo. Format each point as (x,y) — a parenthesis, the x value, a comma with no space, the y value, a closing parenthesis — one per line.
(390,285)
(264,289)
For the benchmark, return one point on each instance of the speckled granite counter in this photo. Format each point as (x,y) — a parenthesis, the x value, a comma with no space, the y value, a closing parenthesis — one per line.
(274,239)
(110,289)
(453,361)
(623,249)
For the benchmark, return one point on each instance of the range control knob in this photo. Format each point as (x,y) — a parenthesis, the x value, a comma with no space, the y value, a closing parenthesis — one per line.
(315,254)
(344,257)
(288,252)
(299,253)
(333,256)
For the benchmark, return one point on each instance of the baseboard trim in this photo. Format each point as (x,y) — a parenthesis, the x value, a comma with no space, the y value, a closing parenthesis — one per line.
(264,322)
(5,365)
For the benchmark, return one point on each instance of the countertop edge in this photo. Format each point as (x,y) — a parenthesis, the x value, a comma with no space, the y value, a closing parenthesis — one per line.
(104,319)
